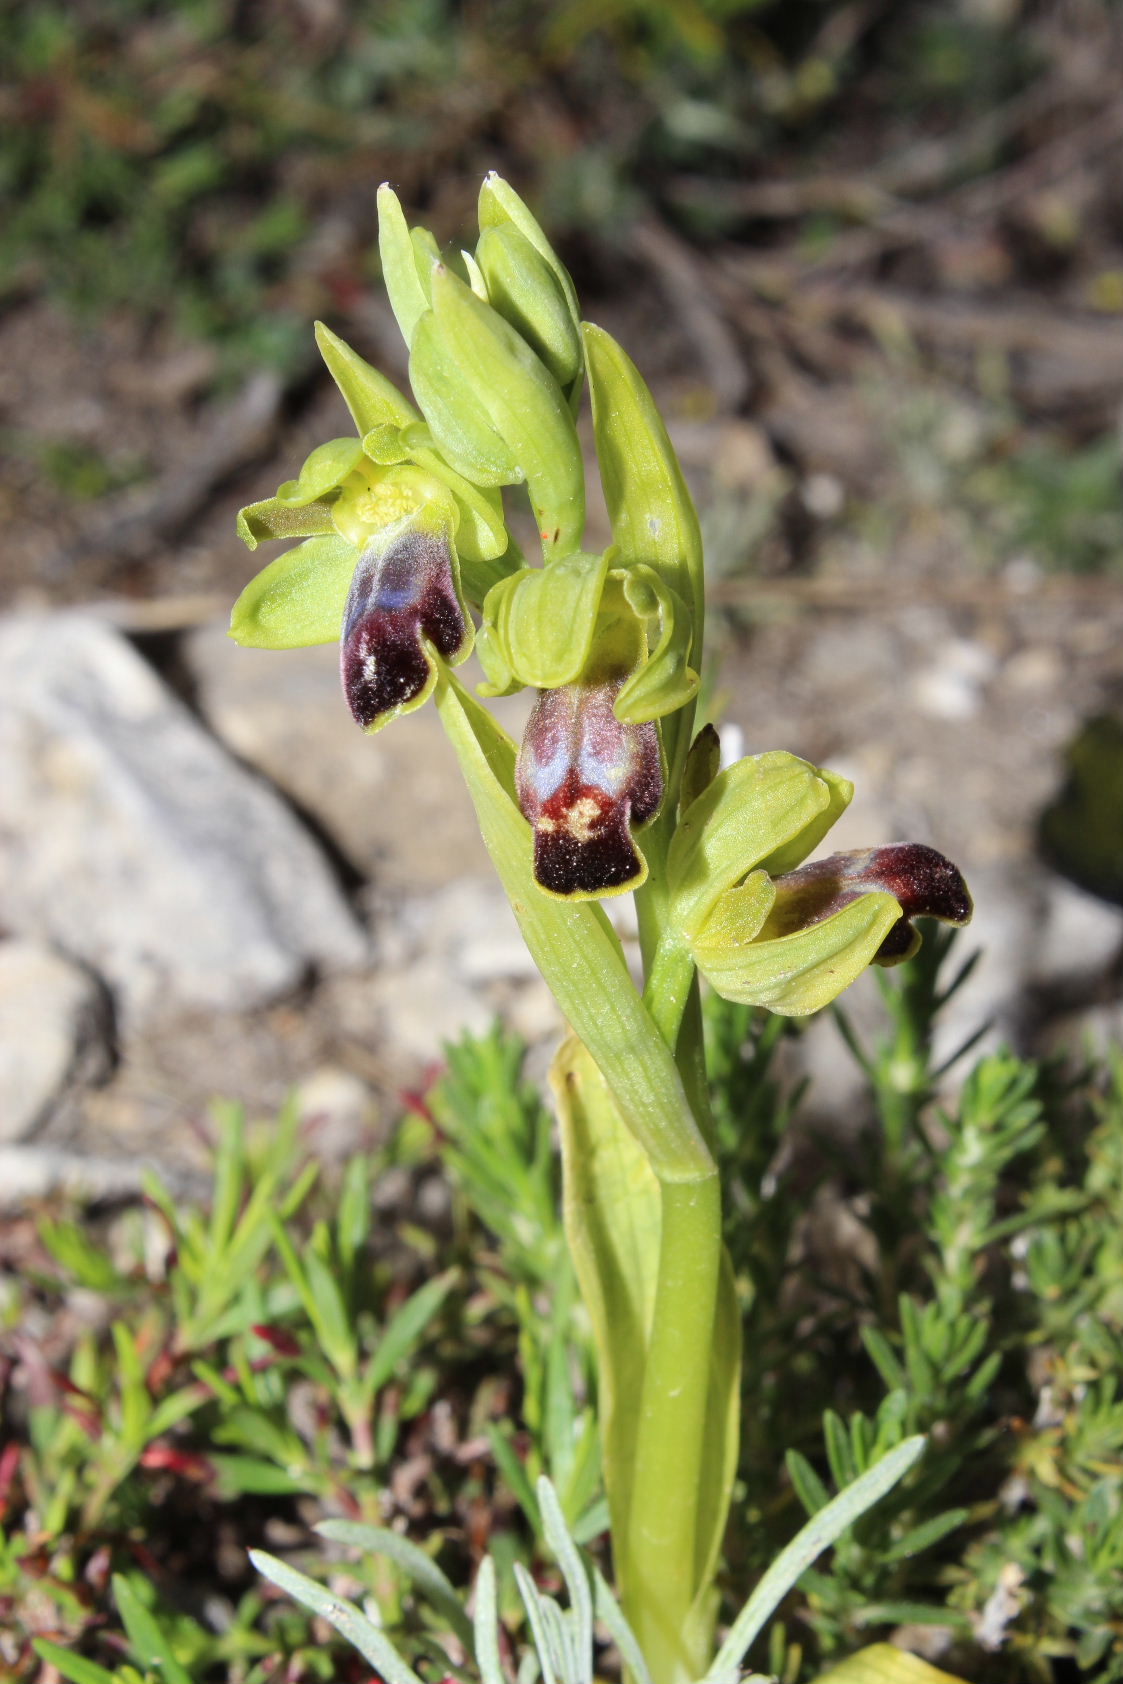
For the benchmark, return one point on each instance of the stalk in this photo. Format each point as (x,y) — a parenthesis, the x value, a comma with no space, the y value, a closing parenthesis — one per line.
(660,1571)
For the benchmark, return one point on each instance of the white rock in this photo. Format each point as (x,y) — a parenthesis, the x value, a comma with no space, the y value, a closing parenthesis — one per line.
(35,1172)
(394,804)
(337,1108)
(54,1031)
(1080,935)
(952,686)
(132,840)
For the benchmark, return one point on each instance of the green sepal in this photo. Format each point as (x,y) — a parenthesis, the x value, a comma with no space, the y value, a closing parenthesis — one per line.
(524,405)
(372,399)
(525,290)
(500,206)
(652,514)
(399,257)
(325,469)
(482,533)
(426,252)
(665,681)
(798,973)
(270,519)
(298,599)
(451,404)
(840,793)
(746,815)
(542,619)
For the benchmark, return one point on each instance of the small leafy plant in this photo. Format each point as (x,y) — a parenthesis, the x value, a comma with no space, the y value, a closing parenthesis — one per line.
(404,534)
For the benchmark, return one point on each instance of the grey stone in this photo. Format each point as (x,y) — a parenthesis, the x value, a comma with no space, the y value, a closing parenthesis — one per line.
(30,1173)
(394,804)
(54,1033)
(1080,935)
(133,841)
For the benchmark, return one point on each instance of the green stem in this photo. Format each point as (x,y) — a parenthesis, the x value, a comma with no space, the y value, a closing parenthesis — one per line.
(660,1574)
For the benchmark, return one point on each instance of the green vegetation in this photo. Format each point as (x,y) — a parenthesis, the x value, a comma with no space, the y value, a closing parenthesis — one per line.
(209,1378)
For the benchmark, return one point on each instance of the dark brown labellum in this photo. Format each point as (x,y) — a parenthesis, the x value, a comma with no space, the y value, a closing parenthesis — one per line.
(402,597)
(925,883)
(584,780)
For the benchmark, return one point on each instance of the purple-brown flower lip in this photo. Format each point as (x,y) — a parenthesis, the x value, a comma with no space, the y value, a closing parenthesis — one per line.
(402,605)
(922,881)
(584,779)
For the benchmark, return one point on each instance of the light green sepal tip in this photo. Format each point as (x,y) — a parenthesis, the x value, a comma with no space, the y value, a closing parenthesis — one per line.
(298,599)
(542,619)
(665,681)
(525,290)
(798,973)
(524,405)
(258,523)
(450,401)
(398,255)
(750,811)
(372,399)
(323,470)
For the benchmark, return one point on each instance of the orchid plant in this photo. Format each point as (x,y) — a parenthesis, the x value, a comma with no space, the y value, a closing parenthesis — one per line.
(406,559)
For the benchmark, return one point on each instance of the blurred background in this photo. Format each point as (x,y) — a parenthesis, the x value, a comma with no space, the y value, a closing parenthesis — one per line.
(870,256)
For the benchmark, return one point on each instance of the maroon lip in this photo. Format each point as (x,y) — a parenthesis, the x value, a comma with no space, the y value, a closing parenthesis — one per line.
(924,883)
(584,780)
(402,598)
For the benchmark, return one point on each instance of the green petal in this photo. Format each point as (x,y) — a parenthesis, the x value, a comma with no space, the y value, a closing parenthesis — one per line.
(524,405)
(749,812)
(270,519)
(408,298)
(740,913)
(800,973)
(371,398)
(665,681)
(328,465)
(452,407)
(298,599)
(545,617)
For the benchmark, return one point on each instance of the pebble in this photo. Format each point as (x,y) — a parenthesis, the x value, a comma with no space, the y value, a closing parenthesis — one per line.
(55,1032)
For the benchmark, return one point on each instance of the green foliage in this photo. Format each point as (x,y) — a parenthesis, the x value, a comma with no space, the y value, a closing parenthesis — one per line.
(982,1271)
(982,1275)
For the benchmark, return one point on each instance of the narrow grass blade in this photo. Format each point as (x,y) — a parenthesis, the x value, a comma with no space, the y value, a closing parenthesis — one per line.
(611,1613)
(421,1568)
(532,1602)
(568,1558)
(71,1667)
(815,1537)
(149,1644)
(348,1621)
(485,1625)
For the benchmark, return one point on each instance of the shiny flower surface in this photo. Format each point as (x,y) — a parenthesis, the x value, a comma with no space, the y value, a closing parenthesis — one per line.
(584,779)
